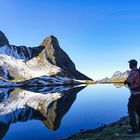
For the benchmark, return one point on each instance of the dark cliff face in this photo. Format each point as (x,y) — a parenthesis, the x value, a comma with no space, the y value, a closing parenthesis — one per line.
(48,54)
(3,39)
(27,53)
(59,58)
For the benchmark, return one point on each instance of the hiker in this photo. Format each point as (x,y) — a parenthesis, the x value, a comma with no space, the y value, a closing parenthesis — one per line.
(133,82)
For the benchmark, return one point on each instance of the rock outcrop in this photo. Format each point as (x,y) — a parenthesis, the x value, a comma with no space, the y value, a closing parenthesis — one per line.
(3,39)
(59,58)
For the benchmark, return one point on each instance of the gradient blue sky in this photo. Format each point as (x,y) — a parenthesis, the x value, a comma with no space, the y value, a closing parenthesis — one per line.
(100,36)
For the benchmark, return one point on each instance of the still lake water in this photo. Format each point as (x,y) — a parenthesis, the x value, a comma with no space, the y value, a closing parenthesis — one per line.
(86,108)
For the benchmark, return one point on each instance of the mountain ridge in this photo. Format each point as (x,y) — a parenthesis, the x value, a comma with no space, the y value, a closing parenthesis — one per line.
(20,63)
(118,76)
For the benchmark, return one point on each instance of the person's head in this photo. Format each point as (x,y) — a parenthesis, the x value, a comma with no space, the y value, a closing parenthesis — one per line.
(132,63)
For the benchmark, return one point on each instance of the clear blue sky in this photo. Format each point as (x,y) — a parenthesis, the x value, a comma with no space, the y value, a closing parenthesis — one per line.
(100,36)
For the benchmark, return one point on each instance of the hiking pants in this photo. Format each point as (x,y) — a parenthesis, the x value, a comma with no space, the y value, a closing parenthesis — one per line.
(133,109)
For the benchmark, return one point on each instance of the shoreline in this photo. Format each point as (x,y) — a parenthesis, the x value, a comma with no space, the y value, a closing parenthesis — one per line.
(113,131)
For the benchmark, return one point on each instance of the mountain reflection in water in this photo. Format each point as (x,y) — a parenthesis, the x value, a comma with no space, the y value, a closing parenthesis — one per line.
(48,104)
(119,85)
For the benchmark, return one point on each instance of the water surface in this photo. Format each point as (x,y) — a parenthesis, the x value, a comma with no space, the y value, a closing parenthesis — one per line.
(57,112)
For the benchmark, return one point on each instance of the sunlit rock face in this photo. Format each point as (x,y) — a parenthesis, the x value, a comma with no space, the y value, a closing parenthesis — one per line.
(47,105)
(20,63)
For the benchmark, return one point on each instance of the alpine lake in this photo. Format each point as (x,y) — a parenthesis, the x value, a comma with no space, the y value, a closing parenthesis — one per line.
(68,111)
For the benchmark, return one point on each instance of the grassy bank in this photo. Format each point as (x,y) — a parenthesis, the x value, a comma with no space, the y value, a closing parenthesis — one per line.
(114,131)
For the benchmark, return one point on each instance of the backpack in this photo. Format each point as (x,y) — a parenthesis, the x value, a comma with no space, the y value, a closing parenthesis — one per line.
(136,89)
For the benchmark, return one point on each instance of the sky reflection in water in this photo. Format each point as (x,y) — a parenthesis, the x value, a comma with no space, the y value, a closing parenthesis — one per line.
(60,115)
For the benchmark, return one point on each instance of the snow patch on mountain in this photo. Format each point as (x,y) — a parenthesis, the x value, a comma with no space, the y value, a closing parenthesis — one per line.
(16,64)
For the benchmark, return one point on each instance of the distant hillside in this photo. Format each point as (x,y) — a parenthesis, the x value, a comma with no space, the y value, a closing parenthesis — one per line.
(116,77)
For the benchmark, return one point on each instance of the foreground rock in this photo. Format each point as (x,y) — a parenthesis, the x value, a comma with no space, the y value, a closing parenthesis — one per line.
(21,63)
(114,131)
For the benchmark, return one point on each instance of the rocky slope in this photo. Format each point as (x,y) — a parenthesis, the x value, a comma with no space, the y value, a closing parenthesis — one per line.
(20,63)
(113,131)
(116,77)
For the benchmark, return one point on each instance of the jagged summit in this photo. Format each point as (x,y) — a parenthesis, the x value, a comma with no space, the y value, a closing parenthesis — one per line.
(50,39)
(3,39)
(50,42)
(58,57)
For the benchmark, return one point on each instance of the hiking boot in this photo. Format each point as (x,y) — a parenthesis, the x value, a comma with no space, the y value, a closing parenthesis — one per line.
(132,131)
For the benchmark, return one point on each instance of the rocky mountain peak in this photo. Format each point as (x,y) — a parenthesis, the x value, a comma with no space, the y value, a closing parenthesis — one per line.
(57,56)
(53,51)
(23,63)
(3,39)
(50,40)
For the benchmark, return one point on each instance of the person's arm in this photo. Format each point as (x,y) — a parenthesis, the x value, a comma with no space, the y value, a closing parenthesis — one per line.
(131,79)
(127,83)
